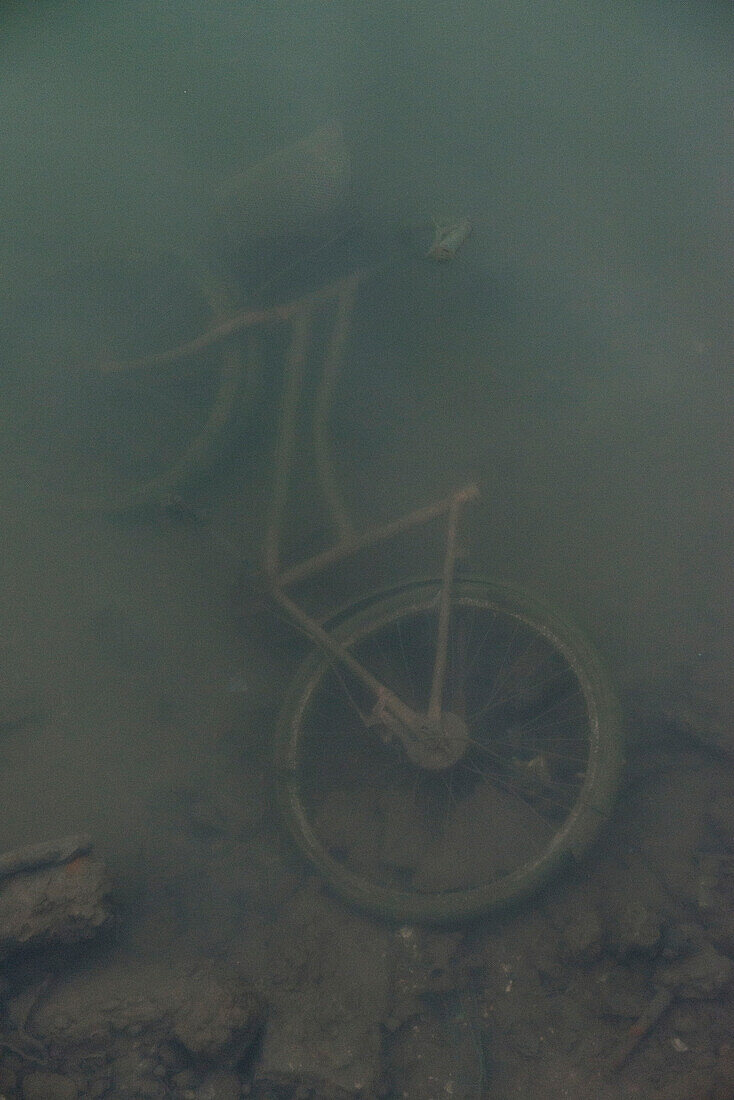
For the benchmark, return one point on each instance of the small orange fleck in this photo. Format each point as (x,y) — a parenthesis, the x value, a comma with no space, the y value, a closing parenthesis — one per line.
(75,866)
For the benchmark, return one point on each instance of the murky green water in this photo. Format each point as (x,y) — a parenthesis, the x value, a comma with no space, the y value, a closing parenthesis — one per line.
(575,359)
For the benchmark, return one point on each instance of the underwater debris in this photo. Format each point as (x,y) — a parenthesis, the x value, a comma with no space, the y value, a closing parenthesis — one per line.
(448,239)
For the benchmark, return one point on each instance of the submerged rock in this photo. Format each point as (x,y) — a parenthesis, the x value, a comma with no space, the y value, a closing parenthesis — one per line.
(144,1024)
(52,905)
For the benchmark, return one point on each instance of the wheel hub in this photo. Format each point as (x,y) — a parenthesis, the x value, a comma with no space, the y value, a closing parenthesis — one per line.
(436,744)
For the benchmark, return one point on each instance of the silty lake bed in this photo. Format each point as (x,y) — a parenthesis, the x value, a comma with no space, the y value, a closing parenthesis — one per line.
(574,359)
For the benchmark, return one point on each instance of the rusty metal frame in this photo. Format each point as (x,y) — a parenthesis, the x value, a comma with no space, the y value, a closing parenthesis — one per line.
(299,315)
(347,542)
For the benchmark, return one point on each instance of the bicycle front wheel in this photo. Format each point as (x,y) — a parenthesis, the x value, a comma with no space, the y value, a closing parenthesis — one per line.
(77,438)
(536,779)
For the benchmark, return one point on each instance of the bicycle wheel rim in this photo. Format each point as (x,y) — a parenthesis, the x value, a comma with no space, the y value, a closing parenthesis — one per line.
(569,842)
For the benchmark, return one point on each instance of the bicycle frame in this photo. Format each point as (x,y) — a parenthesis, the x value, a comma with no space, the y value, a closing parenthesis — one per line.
(421,734)
(551,793)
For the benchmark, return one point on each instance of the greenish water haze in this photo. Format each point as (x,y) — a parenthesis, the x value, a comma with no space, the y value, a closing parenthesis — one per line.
(575,358)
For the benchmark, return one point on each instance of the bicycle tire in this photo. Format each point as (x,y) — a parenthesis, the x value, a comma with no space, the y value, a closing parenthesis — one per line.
(590,810)
(197,451)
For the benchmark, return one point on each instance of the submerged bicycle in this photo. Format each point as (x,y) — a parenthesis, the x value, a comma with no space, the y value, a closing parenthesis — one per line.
(448,744)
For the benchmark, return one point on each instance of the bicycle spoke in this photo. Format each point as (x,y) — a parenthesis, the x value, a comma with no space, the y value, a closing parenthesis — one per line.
(542,795)
(494,780)
(413,695)
(531,688)
(471,662)
(530,722)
